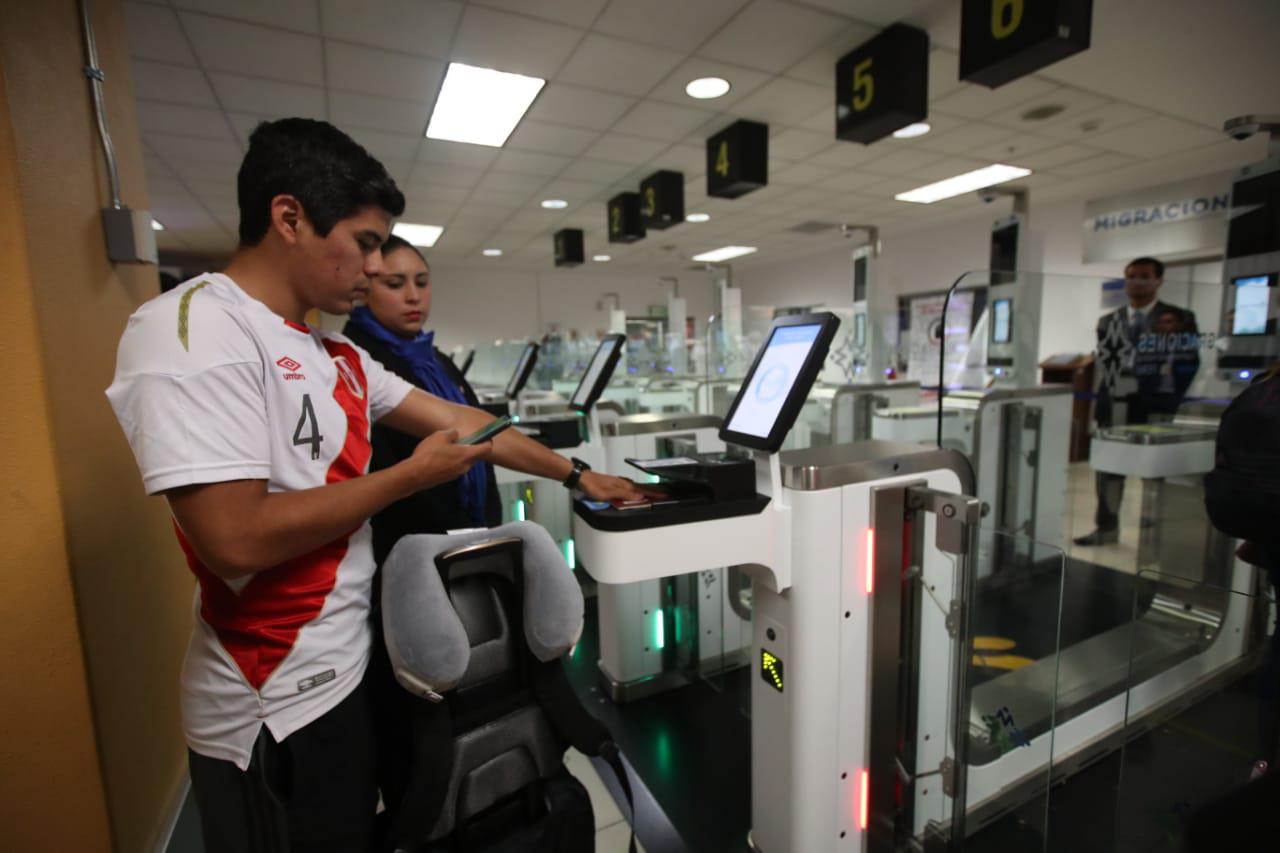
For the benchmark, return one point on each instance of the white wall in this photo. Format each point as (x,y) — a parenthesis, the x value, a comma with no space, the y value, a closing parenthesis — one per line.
(471,305)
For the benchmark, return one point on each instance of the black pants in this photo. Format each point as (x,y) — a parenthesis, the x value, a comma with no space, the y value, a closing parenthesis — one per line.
(312,793)
(1140,409)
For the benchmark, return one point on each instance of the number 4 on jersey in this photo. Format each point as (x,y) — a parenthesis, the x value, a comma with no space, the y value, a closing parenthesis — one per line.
(308,417)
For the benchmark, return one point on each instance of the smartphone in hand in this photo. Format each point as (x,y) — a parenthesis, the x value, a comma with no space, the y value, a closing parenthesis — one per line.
(489,430)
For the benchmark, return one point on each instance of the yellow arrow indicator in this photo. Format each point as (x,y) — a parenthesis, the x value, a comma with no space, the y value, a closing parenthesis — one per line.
(1002,661)
(992,644)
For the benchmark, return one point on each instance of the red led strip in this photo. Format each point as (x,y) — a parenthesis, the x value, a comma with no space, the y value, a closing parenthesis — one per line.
(871,560)
(862,802)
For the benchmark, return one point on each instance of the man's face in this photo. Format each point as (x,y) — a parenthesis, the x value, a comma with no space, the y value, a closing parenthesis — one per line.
(1141,283)
(334,271)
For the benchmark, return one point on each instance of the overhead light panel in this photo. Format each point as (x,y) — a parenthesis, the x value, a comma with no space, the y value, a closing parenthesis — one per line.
(418,235)
(480,105)
(911,131)
(959,185)
(697,217)
(493,253)
(706,88)
(156,226)
(555,204)
(601,258)
(724,253)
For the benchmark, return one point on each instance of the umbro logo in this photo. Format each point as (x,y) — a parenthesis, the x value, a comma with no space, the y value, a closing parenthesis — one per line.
(291,368)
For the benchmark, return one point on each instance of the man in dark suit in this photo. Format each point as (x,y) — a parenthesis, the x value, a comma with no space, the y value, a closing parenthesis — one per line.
(1148,353)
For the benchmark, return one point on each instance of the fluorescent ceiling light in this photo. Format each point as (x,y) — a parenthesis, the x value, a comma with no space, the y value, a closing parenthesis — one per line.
(911,131)
(697,217)
(555,204)
(418,235)
(725,253)
(601,258)
(481,106)
(706,88)
(961,184)
(493,253)
(156,226)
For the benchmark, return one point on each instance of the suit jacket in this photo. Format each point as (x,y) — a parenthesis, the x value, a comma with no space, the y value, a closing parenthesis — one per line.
(433,510)
(1150,371)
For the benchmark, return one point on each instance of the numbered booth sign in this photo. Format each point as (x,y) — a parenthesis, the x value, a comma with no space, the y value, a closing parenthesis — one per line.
(626,225)
(662,199)
(738,159)
(569,247)
(1001,40)
(883,85)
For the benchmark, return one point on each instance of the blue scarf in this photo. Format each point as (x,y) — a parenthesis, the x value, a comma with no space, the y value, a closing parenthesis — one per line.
(420,353)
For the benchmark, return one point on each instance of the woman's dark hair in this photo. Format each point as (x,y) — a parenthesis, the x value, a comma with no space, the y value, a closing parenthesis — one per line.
(395,244)
(318,164)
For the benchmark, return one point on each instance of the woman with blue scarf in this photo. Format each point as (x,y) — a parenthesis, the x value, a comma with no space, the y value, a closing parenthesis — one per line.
(389,328)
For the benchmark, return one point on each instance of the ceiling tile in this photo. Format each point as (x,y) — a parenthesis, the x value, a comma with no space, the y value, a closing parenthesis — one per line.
(1074,102)
(531,163)
(406,117)
(945,168)
(429,208)
(783,101)
(971,101)
(742,82)
(846,155)
(408,26)
(297,15)
(797,144)
(902,161)
(154,34)
(819,65)
(219,171)
(550,138)
(577,193)
(801,174)
(676,24)
(457,153)
(256,51)
(492,39)
(385,146)
(963,139)
(504,197)
(772,36)
(1013,148)
(350,68)
(184,121)
(495,180)
(1155,137)
(657,120)
(1108,117)
(427,194)
(176,150)
(944,72)
(1052,157)
(268,98)
(691,160)
(595,171)
(576,13)
(618,66)
(851,180)
(1093,165)
(171,84)
(574,106)
(617,148)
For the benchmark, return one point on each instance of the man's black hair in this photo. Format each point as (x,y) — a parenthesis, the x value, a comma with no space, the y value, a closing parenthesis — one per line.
(395,243)
(1145,261)
(331,175)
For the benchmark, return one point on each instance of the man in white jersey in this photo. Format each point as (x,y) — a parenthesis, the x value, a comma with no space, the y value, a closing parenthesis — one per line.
(255,427)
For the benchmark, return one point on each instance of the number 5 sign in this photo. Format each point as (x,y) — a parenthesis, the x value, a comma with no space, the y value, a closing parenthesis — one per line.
(883,85)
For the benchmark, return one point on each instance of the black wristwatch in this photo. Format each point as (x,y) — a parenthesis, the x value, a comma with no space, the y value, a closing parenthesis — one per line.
(571,482)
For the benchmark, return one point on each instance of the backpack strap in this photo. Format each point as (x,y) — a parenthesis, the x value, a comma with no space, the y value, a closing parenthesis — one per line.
(431,743)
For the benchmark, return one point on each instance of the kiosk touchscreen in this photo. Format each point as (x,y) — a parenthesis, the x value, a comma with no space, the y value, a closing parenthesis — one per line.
(779,380)
(599,371)
(1251,304)
(524,368)
(1002,321)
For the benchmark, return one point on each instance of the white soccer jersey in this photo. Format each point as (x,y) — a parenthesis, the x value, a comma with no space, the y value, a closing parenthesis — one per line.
(212,386)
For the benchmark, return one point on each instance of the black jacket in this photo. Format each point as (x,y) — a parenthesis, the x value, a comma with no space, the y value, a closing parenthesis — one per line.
(433,510)
(1151,371)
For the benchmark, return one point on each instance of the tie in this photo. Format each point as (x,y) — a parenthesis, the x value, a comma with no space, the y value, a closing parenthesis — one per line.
(1137,324)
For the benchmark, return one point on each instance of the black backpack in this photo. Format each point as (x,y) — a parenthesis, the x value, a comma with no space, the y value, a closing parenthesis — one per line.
(1242,492)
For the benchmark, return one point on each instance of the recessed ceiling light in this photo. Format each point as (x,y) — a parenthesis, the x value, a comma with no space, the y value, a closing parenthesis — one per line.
(156,226)
(1043,112)
(706,88)
(601,258)
(725,253)
(961,184)
(493,253)
(418,235)
(555,204)
(697,217)
(481,106)
(911,131)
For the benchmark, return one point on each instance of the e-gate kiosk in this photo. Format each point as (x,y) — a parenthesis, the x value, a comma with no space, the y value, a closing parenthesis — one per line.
(502,403)
(837,722)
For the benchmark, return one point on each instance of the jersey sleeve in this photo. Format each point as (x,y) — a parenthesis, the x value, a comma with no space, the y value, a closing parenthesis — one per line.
(386,390)
(193,408)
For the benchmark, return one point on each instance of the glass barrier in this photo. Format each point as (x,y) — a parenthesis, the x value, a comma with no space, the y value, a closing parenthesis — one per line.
(1200,732)
(494,363)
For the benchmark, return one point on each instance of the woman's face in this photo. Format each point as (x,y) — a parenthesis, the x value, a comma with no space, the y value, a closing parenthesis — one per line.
(400,297)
